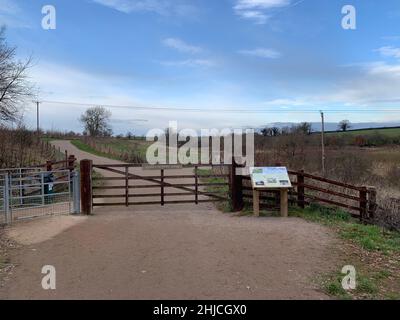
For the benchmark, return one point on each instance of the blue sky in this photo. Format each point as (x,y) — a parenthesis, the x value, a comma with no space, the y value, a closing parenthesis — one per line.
(279,56)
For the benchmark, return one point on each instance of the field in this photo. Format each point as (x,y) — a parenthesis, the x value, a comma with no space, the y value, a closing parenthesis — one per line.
(129,150)
(387,132)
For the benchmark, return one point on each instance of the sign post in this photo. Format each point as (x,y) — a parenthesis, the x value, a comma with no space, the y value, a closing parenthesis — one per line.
(270,178)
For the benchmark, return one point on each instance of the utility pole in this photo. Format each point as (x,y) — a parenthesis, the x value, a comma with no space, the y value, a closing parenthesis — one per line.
(37,117)
(323,142)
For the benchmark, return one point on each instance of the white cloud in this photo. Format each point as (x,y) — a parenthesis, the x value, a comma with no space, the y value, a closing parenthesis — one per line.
(11,15)
(189,63)
(256,10)
(261,53)
(181,46)
(385,70)
(162,7)
(8,7)
(261,4)
(128,6)
(286,102)
(389,52)
(376,85)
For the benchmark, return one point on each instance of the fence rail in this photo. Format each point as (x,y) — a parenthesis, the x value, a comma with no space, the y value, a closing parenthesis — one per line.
(160,189)
(157,188)
(309,188)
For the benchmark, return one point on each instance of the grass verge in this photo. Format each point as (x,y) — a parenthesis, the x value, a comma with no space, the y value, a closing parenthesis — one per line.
(119,149)
(372,250)
(84,147)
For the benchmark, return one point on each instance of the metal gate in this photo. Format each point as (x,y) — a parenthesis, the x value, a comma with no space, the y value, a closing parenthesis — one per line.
(29,193)
(3,199)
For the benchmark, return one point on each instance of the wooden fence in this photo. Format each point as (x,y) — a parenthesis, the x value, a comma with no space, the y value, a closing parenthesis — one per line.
(67,163)
(136,187)
(308,189)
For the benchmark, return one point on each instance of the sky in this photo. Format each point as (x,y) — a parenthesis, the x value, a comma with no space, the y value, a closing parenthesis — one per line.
(232,63)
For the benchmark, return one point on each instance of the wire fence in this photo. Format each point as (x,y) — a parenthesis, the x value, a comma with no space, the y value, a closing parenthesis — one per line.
(3,217)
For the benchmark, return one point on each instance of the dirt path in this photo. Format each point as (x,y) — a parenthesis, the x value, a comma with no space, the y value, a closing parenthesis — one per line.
(174,252)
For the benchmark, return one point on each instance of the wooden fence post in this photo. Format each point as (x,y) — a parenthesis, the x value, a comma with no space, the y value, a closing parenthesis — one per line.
(236,188)
(300,189)
(196,182)
(363,203)
(127,186)
(162,188)
(372,205)
(49,166)
(86,186)
(71,162)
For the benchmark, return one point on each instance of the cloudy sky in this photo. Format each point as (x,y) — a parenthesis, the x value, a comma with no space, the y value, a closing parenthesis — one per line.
(270,60)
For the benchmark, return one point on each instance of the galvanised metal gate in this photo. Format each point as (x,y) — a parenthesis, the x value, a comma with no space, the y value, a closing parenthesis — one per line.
(3,199)
(29,193)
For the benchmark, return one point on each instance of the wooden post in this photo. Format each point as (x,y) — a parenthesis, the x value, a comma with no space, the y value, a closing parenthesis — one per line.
(49,166)
(300,189)
(236,188)
(66,159)
(127,186)
(71,162)
(256,202)
(196,181)
(162,188)
(363,203)
(372,205)
(277,195)
(86,186)
(284,203)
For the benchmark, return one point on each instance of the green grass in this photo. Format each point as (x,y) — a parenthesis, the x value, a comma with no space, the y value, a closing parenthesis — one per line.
(4,260)
(127,146)
(372,238)
(86,148)
(390,132)
(95,178)
(118,147)
(369,237)
(367,286)
(224,206)
(372,281)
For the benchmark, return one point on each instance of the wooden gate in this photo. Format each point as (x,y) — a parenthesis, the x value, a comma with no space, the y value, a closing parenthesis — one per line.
(137,185)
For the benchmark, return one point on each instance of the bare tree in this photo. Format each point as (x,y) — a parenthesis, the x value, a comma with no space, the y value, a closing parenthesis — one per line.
(96,122)
(270,132)
(129,135)
(305,128)
(344,125)
(14,86)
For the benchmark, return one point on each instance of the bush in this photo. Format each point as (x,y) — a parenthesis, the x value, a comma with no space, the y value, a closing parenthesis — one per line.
(393,175)
(349,167)
(23,148)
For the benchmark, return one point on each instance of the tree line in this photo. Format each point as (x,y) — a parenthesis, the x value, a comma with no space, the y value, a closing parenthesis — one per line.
(302,128)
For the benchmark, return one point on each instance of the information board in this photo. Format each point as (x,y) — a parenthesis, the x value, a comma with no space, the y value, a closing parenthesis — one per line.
(270,178)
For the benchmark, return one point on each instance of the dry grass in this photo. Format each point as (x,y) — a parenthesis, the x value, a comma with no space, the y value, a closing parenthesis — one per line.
(360,166)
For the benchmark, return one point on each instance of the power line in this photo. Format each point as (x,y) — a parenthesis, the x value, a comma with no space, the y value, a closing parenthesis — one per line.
(218,110)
